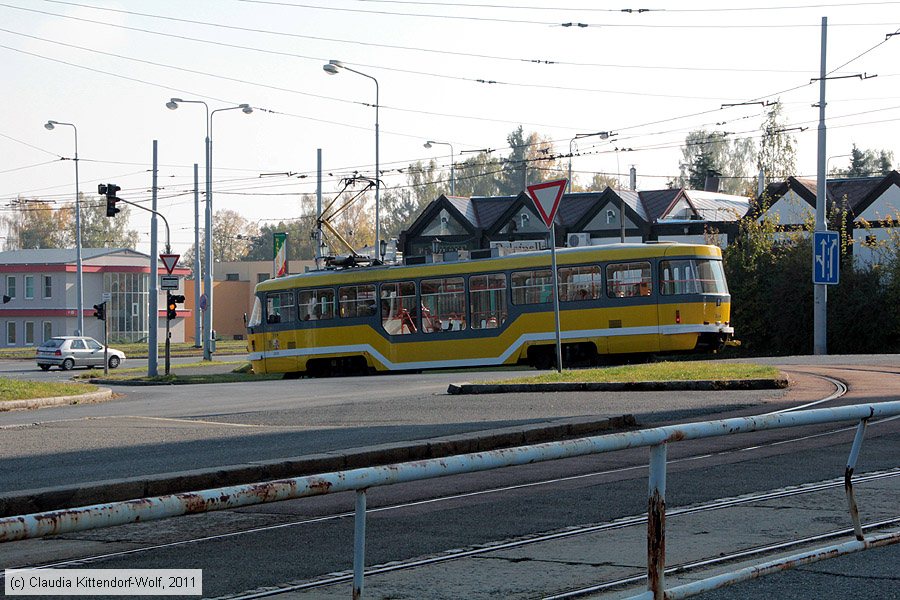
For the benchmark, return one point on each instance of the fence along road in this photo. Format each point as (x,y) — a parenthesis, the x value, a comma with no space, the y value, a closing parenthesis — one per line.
(359,480)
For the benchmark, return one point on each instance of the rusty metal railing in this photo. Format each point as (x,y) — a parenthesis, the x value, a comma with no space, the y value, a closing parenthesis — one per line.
(359,480)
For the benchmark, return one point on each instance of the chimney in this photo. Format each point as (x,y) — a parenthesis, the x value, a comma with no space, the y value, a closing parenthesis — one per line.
(632,178)
(712,181)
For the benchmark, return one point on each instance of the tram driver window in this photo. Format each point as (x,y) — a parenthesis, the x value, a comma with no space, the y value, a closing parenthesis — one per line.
(280,307)
(628,280)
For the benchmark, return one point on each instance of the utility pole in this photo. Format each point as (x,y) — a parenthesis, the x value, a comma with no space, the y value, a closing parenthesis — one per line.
(820,291)
(153,317)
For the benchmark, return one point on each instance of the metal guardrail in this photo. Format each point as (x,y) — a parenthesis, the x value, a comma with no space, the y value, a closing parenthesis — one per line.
(359,480)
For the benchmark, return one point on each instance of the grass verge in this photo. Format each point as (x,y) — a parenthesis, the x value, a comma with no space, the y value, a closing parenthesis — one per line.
(17,389)
(662,371)
(241,372)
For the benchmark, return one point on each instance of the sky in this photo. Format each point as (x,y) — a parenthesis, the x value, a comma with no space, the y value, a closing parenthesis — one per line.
(464,73)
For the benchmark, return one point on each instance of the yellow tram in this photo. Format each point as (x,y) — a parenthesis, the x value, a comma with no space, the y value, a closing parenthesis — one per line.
(615,301)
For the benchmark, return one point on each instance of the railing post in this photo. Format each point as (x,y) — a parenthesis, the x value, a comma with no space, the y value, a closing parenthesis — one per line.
(359,544)
(656,522)
(848,474)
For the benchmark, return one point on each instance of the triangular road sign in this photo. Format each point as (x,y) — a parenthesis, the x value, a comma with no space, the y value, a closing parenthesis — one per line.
(546,197)
(169,260)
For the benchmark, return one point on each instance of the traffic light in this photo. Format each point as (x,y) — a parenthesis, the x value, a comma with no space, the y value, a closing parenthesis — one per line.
(172,305)
(110,189)
(100,311)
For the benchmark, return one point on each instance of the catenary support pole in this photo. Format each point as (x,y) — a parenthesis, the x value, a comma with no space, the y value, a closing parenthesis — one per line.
(820,291)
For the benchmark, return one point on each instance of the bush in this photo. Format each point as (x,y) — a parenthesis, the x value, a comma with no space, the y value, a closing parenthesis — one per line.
(770,278)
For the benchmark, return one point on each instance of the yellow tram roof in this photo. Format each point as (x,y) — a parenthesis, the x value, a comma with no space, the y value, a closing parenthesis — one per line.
(518,260)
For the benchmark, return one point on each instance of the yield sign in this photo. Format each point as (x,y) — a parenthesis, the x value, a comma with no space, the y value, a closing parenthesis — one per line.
(546,197)
(169,260)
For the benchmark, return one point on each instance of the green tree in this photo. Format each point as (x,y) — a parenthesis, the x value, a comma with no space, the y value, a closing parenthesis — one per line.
(867,163)
(599,182)
(705,151)
(100,231)
(777,156)
(37,224)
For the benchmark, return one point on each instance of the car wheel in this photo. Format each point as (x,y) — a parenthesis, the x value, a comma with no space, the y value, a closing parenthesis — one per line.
(114,362)
(44,367)
(67,364)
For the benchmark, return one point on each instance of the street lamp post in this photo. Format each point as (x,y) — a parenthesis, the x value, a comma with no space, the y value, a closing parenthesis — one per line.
(332,68)
(431,143)
(79,290)
(208,342)
(604,135)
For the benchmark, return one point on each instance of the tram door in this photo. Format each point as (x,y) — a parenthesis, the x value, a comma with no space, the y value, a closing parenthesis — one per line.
(630,286)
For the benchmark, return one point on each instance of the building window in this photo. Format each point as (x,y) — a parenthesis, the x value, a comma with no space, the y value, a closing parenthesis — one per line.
(48,286)
(11,286)
(232,277)
(610,217)
(29,333)
(29,287)
(47,326)
(10,333)
(260,277)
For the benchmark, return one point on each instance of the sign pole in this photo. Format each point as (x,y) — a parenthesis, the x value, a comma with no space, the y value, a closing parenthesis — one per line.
(168,333)
(555,280)
(820,291)
(546,197)
(105,340)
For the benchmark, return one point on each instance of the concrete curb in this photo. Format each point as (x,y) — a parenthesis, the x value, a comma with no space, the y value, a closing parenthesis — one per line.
(629,386)
(44,499)
(100,395)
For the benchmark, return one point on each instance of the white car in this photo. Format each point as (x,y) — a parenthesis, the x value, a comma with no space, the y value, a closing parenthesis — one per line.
(67,352)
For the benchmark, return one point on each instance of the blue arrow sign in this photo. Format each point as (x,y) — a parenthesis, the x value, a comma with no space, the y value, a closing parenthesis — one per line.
(825,258)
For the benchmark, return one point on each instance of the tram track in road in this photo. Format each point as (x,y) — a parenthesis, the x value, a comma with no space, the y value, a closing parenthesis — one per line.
(623,523)
(839,391)
(455,497)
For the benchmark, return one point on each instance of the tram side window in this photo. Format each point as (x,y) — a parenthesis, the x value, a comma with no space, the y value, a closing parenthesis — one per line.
(280,307)
(531,287)
(357,301)
(316,304)
(487,298)
(443,304)
(691,276)
(399,313)
(580,283)
(628,280)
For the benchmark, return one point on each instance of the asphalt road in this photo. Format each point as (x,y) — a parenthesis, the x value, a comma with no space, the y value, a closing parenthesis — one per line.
(165,428)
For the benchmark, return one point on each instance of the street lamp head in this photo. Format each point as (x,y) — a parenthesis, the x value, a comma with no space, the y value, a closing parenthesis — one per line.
(428,144)
(50,125)
(246,108)
(173,103)
(330,69)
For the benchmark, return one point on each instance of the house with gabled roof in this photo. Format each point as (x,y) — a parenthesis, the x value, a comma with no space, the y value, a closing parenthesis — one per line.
(869,205)
(584,218)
